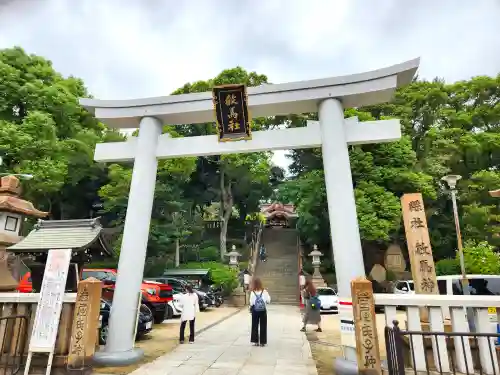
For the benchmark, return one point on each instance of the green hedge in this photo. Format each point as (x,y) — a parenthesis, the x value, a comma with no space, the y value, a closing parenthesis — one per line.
(222,275)
(448,266)
(111,263)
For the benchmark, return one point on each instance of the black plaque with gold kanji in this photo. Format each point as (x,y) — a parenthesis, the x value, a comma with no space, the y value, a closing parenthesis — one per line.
(231,112)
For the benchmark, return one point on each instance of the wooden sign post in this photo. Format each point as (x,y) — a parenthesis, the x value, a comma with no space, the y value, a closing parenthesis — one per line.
(419,244)
(85,323)
(48,310)
(365,327)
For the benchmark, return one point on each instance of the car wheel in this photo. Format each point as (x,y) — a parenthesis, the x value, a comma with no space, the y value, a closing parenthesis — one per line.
(159,317)
(103,334)
(170,312)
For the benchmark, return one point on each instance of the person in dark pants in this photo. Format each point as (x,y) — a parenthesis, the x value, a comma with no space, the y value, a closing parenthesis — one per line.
(259,299)
(262,253)
(190,306)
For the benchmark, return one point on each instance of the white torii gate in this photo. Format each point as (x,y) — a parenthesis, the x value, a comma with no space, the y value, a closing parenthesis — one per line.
(333,133)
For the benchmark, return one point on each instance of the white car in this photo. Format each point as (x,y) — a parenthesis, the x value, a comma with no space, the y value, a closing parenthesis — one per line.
(404,287)
(175,304)
(329,299)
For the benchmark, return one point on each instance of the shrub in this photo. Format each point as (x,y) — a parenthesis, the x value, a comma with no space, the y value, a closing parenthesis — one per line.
(221,274)
(209,254)
(480,258)
(243,265)
(448,266)
(390,275)
(111,263)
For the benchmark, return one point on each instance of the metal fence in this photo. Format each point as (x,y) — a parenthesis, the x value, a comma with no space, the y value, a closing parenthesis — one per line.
(13,331)
(476,352)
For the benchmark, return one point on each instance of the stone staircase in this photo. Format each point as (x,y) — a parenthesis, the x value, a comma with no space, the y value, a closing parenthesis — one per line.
(279,273)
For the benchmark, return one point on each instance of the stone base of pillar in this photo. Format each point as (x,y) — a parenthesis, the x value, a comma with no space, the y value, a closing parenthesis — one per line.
(118,358)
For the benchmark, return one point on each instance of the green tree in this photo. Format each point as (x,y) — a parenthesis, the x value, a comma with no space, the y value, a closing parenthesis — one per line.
(480,258)
(381,174)
(236,181)
(171,218)
(447,129)
(45,132)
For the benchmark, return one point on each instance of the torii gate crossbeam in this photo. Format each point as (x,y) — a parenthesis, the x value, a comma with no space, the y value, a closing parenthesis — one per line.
(278,139)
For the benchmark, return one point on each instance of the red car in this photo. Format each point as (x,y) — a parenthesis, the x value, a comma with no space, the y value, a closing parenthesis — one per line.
(25,285)
(156,296)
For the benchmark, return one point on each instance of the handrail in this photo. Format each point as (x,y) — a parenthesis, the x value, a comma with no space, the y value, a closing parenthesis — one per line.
(299,261)
(254,250)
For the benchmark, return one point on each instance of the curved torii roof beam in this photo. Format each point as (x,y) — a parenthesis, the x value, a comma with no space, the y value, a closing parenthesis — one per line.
(354,90)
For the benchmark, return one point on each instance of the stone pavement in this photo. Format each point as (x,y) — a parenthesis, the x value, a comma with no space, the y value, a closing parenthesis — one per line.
(226,350)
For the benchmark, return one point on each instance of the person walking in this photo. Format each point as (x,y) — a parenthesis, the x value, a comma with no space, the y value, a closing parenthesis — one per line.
(262,253)
(312,313)
(259,299)
(190,307)
(247,277)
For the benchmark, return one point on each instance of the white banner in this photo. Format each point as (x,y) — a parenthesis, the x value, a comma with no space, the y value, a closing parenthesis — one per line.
(48,311)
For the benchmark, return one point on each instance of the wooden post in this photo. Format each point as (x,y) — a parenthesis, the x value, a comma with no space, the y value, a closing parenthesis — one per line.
(419,247)
(84,333)
(365,327)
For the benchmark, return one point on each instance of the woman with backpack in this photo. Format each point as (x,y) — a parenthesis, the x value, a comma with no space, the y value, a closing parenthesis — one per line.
(259,299)
(312,314)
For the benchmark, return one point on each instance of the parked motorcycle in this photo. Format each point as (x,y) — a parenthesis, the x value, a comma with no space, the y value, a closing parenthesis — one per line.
(216,294)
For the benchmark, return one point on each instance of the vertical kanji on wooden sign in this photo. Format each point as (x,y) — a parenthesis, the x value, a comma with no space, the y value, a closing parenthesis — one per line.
(85,323)
(419,245)
(231,112)
(365,326)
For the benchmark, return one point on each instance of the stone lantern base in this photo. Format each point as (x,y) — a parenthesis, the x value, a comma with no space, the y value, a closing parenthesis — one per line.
(317,279)
(238,298)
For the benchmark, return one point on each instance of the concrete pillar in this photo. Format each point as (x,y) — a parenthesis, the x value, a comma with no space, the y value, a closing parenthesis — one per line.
(344,230)
(120,344)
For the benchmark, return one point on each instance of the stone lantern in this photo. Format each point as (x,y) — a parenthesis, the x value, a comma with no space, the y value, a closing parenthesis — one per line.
(13,212)
(316,255)
(233,257)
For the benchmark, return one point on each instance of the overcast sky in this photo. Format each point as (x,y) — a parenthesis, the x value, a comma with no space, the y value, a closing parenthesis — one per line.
(143,48)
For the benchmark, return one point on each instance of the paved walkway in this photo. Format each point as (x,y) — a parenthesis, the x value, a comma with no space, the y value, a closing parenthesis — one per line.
(226,350)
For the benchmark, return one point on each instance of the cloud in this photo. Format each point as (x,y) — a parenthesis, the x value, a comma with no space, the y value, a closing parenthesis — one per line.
(130,48)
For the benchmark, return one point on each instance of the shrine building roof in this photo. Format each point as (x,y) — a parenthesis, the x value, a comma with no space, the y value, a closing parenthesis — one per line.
(277,209)
(78,235)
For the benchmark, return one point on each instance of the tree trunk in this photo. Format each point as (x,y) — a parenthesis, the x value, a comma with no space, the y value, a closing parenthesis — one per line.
(226,209)
(177,253)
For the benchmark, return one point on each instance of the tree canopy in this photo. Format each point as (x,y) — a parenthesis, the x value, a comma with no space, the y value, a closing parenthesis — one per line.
(448,128)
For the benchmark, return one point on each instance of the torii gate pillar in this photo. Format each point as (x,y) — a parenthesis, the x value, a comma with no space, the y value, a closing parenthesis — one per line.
(333,133)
